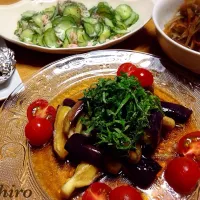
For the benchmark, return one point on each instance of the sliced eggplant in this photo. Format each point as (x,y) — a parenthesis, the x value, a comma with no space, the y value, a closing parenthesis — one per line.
(177,112)
(84,175)
(69,102)
(72,116)
(59,137)
(143,173)
(152,135)
(80,148)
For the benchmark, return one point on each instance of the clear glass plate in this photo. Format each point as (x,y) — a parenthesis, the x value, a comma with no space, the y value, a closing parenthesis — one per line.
(15,164)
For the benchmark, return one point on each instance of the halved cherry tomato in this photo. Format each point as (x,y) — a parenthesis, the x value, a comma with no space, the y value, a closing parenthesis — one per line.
(144,76)
(189,145)
(125,68)
(182,174)
(38,131)
(97,191)
(41,109)
(125,193)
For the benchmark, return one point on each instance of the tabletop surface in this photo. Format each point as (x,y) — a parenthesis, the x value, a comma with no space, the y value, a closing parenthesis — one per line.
(29,62)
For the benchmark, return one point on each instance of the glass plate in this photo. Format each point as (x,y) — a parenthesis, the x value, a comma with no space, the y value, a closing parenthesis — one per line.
(15,164)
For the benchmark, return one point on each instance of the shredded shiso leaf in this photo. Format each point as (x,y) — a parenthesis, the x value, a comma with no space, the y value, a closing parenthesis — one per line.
(118,110)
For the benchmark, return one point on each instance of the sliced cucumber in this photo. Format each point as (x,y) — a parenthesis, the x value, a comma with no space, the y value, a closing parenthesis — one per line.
(47,26)
(65,43)
(90,20)
(90,30)
(98,28)
(81,37)
(40,40)
(28,14)
(104,10)
(27,35)
(24,24)
(50,38)
(34,39)
(51,11)
(56,21)
(35,28)
(71,34)
(108,22)
(61,28)
(121,25)
(124,11)
(105,34)
(132,19)
(37,19)
(74,11)
(119,31)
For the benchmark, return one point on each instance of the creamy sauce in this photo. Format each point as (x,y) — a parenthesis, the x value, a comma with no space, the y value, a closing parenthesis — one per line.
(52,173)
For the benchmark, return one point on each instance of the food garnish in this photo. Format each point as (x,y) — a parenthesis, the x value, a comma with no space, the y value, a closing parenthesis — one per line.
(114,129)
(70,24)
(119,110)
(184,27)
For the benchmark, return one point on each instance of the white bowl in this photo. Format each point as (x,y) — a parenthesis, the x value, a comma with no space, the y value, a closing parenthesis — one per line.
(163,12)
(10,14)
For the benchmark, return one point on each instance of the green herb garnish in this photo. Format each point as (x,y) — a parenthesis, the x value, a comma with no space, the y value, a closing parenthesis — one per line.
(118,110)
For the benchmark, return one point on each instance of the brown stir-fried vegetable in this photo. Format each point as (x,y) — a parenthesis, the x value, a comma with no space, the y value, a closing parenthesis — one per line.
(184,28)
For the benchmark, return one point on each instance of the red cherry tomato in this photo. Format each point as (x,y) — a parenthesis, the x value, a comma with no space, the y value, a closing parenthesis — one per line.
(38,131)
(97,191)
(144,76)
(189,145)
(182,174)
(41,109)
(125,68)
(125,193)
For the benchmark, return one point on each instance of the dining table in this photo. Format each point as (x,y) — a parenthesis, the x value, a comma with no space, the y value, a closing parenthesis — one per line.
(29,62)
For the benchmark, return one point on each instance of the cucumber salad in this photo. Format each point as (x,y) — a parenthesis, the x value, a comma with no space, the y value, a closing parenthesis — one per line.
(71,24)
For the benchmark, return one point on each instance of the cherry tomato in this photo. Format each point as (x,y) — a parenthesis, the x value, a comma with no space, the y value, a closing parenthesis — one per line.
(38,131)
(182,174)
(125,193)
(125,68)
(189,145)
(144,76)
(97,191)
(41,109)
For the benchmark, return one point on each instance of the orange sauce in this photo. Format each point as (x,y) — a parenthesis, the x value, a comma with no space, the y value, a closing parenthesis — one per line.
(52,173)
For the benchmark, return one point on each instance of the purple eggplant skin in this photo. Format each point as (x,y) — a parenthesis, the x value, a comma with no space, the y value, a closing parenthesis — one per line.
(80,148)
(143,173)
(153,132)
(177,112)
(155,126)
(69,102)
